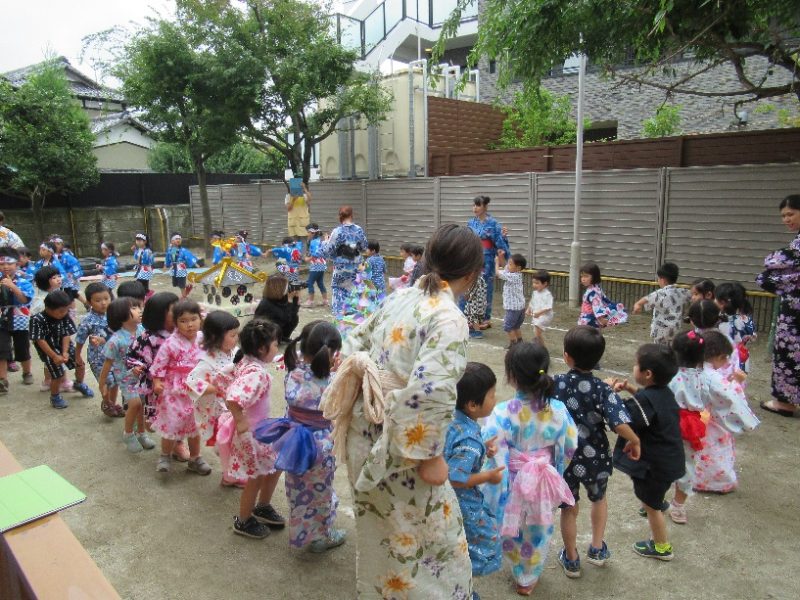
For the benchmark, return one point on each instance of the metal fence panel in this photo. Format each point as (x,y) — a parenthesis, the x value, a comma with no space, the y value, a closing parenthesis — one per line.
(722,221)
(400,210)
(241,209)
(618,224)
(510,204)
(215,204)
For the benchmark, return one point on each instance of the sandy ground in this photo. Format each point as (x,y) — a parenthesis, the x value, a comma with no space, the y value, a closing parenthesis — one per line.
(171,537)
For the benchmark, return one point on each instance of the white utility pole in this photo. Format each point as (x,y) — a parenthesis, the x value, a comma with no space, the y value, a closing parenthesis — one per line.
(575,247)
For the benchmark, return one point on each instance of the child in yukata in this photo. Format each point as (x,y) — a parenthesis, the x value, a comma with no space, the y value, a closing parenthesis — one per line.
(475,307)
(465,452)
(536,438)
(289,257)
(377,266)
(592,404)
(667,303)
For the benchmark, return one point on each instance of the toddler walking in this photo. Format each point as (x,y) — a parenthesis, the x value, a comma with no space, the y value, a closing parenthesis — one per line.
(540,308)
(667,304)
(465,452)
(536,438)
(243,457)
(377,266)
(513,296)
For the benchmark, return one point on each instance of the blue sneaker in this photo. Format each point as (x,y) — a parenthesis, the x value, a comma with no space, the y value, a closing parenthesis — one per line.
(475,334)
(58,402)
(572,568)
(598,556)
(83,389)
(647,548)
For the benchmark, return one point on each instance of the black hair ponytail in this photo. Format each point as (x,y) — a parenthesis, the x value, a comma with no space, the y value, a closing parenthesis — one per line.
(319,340)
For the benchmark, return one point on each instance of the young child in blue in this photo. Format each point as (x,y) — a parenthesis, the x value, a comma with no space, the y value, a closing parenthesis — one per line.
(16,293)
(144,257)
(737,324)
(317,265)
(464,451)
(377,266)
(72,268)
(125,320)
(592,404)
(289,256)
(47,258)
(109,266)
(243,252)
(94,330)
(25,264)
(178,260)
(216,240)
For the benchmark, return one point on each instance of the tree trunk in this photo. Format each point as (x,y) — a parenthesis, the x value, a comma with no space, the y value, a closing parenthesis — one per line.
(200,171)
(37,206)
(307,149)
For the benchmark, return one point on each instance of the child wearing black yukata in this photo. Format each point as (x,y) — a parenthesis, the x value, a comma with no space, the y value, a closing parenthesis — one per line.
(51,332)
(591,403)
(655,418)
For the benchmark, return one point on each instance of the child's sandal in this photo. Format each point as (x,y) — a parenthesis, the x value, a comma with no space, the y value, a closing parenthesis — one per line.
(108,409)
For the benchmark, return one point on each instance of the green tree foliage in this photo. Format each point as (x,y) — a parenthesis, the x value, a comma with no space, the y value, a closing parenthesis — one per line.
(238,158)
(666,121)
(191,94)
(531,37)
(309,81)
(537,118)
(45,141)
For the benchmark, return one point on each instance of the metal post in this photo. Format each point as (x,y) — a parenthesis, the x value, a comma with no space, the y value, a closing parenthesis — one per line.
(412,166)
(575,247)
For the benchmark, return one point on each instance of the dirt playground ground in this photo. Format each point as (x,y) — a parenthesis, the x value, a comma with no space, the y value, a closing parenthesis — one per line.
(171,537)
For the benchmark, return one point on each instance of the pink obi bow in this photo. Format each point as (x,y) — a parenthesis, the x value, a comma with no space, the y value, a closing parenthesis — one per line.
(537,490)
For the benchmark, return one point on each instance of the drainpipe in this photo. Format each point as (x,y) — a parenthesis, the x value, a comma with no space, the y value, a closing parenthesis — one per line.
(412,168)
(477,74)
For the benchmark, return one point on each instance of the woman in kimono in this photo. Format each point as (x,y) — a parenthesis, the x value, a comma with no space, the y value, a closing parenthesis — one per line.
(493,238)
(782,276)
(392,401)
(344,246)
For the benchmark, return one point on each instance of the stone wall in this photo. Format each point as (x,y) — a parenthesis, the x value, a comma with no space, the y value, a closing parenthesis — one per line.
(629,105)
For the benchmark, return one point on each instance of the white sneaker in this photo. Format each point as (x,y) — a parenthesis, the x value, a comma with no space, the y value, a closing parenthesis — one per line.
(146,442)
(131,443)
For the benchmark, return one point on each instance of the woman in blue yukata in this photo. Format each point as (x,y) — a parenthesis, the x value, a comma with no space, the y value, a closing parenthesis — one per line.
(344,246)
(493,238)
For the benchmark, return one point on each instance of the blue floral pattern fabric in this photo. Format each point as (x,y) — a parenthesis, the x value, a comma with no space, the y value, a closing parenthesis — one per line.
(95,325)
(344,246)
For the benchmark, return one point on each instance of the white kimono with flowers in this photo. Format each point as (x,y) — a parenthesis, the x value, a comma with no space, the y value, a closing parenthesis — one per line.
(411,542)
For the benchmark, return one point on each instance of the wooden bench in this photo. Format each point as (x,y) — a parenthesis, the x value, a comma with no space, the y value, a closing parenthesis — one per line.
(44,561)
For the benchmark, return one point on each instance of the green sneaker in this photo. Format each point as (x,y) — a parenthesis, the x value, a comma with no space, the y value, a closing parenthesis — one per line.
(335,538)
(647,548)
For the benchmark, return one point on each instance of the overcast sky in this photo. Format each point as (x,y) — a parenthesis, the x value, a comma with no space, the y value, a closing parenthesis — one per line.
(30,29)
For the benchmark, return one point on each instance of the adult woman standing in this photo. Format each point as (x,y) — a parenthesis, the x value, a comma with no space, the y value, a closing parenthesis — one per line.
(493,238)
(782,276)
(344,246)
(411,541)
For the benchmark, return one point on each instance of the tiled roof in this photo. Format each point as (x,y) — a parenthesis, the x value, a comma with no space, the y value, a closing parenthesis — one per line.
(106,122)
(84,87)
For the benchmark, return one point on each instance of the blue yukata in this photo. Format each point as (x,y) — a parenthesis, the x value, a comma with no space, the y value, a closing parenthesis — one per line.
(72,268)
(591,404)
(20,311)
(377,267)
(28,271)
(318,261)
(289,257)
(116,349)
(110,269)
(95,325)
(55,263)
(491,234)
(219,254)
(740,329)
(464,452)
(145,259)
(178,260)
(524,431)
(243,252)
(344,246)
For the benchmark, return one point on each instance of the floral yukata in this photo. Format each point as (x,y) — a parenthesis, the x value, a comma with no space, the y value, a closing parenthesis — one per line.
(465,453)
(781,276)
(141,354)
(740,330)
(214,368)
(596,305)
(176,358)
(710,452)
(116,350)
(667,304)
(311,496)
(344,246)
(243,457)
(411,541)
(95,325)
(549,432)
(491,234)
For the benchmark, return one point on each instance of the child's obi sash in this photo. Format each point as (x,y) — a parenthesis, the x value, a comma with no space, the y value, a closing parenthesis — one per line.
(536,492)
(693,429)
(487,244)
(292,438)
(359,378)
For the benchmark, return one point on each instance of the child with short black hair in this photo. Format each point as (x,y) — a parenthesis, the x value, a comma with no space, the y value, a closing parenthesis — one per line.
(94,329)
(597,310)
(109,266)
(702,289)
(398,283)
(125,320)
(317,265)
(667,304)
(736,321)
(417,253)
(465,451)
(655,419)
(51,333)
(179,260)
(536,438)
(376,266)
(513,295)
(25,263)
(697,390)
(592,404)
(132,289)
(145,259)
(475,307)
(16,294)
(540,308)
